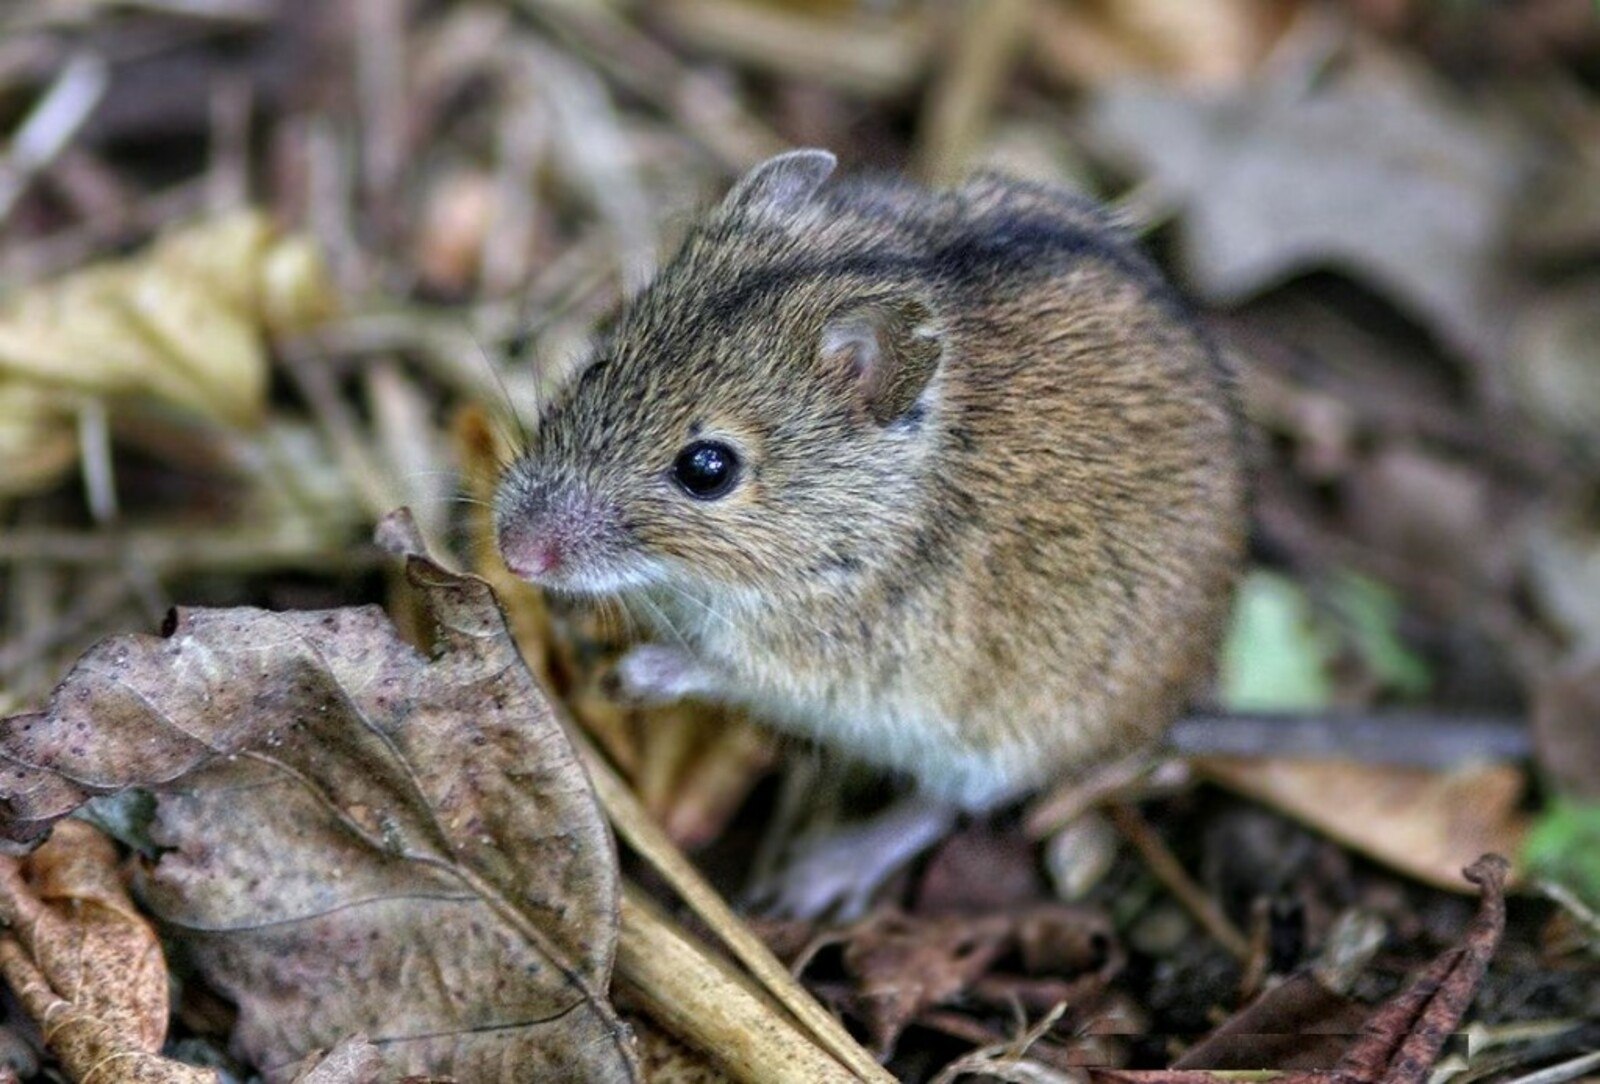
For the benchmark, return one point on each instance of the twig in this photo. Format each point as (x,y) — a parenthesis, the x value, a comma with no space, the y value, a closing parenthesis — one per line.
(635,826)
(695,995)
(1558,1074)
(987,38)
(381,84)
(240,548)
(51,126)
(1416,739)
(1171,873)
(342,429)
(102,597)
(1574,906)
(871,57)
(706,110)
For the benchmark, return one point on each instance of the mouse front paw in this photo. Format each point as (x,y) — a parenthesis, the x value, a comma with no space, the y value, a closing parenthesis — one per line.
(658,674)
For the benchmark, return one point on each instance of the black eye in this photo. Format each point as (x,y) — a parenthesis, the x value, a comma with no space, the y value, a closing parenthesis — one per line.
(706,469)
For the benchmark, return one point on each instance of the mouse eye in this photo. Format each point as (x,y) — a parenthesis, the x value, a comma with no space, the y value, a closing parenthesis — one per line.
(706,469)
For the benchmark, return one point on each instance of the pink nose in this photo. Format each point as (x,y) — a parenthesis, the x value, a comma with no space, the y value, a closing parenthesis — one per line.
(529,556)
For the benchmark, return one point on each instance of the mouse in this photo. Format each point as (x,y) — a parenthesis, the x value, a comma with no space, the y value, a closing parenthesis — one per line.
(948,480)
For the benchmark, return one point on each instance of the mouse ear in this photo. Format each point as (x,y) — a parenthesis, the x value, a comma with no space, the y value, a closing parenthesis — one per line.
(782,183)
(892,348)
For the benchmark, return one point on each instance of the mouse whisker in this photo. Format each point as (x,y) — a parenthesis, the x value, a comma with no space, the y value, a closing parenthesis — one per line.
(704,607)
(666,621)
(509,415)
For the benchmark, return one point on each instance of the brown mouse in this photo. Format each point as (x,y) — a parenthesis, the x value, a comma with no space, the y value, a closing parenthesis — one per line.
(948,480)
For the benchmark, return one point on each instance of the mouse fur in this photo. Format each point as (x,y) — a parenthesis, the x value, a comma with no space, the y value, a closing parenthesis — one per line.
(990,503)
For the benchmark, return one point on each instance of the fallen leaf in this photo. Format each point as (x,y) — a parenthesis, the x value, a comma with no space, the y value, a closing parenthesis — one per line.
(1402,1040)
(904,965)
(1554,361)
(1370,168)
(83,961)
(1275,657)
(354,1061)
(361,837)
(1417,821)
(1297,1024)
(183,324)
(1399,1042)
(1566,706)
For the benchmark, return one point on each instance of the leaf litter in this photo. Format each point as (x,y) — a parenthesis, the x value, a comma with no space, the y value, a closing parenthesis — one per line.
(409,835)
(85,962)
(435,164)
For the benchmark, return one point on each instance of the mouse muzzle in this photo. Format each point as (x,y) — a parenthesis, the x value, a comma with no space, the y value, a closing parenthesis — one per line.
(558,535)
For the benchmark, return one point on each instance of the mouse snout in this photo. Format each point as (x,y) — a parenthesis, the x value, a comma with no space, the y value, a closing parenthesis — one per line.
(530,555)
(550,533)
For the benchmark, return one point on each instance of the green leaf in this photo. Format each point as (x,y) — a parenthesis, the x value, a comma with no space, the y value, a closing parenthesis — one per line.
(1275,657)
(1372,614)
(1564,846)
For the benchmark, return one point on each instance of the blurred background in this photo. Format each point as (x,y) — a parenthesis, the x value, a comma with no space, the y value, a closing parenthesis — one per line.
(260,260)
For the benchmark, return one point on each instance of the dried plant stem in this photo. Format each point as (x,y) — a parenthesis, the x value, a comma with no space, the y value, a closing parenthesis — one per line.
(1559,1074)
(237,548)
(695,995)
(51,125)
(1171,873)
(344,433)
(709,112)
(987,37)
(636,827)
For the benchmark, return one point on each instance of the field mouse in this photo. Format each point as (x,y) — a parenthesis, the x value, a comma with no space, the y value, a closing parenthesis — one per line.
(946,480)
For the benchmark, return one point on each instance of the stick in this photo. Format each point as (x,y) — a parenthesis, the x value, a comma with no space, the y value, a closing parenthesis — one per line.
(635,826)
(697,996)
(1171,873)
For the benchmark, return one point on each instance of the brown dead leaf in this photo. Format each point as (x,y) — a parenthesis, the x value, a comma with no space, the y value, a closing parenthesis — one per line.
(1202,43)
(354,1061)
(1566,737)
(362,838)
(904,965)
(1400,1042)
(183,324)
(85,964)
(1298,1024)
(1423,823)
(1371,168)
(692,764)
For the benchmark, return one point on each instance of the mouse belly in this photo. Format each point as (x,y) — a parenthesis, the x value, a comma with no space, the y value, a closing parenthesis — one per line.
(936,752)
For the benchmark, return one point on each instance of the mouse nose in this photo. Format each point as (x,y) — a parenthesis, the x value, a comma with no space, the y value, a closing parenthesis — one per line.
(528,553)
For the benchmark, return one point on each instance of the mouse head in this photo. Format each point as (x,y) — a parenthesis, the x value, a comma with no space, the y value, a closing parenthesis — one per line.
(761,417)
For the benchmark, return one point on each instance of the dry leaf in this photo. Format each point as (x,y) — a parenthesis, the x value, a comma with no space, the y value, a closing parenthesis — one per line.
(1425,824)
(362,838)
(1371,169)
(182,324)
(354,1061)
(1400,1042)
(1201,43)
(85,964)
(1554,361)
(904,965)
